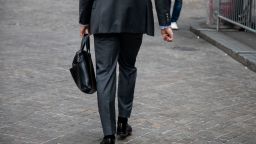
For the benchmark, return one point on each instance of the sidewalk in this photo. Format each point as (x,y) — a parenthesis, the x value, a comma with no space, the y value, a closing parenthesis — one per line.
(187,91)
(239,45)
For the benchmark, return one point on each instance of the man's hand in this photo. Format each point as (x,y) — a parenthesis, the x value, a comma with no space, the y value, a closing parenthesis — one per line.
(167,34)
(84,30)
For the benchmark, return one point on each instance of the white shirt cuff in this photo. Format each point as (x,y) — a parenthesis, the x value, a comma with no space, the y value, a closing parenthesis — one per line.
(164,27)
(84,25)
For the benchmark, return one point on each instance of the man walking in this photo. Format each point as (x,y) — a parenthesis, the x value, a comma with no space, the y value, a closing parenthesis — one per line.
(118,27)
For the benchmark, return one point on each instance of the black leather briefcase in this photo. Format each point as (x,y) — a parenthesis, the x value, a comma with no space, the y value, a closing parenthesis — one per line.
(82,69)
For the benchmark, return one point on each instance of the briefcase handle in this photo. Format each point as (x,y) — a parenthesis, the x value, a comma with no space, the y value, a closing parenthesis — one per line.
(85,42)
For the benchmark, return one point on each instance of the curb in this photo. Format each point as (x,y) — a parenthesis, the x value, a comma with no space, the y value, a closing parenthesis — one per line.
(235,49)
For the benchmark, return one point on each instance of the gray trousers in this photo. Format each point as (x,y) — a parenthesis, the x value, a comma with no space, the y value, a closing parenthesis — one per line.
(111,49)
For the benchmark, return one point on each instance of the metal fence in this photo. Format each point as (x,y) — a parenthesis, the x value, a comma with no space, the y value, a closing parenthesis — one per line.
(238,12)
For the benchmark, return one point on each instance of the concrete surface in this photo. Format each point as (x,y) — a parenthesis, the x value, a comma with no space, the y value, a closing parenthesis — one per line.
(188,91)
(240,45)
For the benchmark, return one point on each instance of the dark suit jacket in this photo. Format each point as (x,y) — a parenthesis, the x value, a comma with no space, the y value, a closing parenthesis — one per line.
(123,16)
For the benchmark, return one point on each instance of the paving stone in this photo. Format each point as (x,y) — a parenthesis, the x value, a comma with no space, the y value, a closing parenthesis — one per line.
(31,133)
(10,115)
(187,91)
(77,137)
(10,139)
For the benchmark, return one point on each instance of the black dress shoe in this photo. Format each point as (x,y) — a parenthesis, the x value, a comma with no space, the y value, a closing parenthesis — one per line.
(108,141)
(123,130)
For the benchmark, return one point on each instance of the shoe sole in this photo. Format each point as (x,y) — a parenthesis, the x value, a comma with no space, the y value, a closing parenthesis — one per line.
(123,136)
